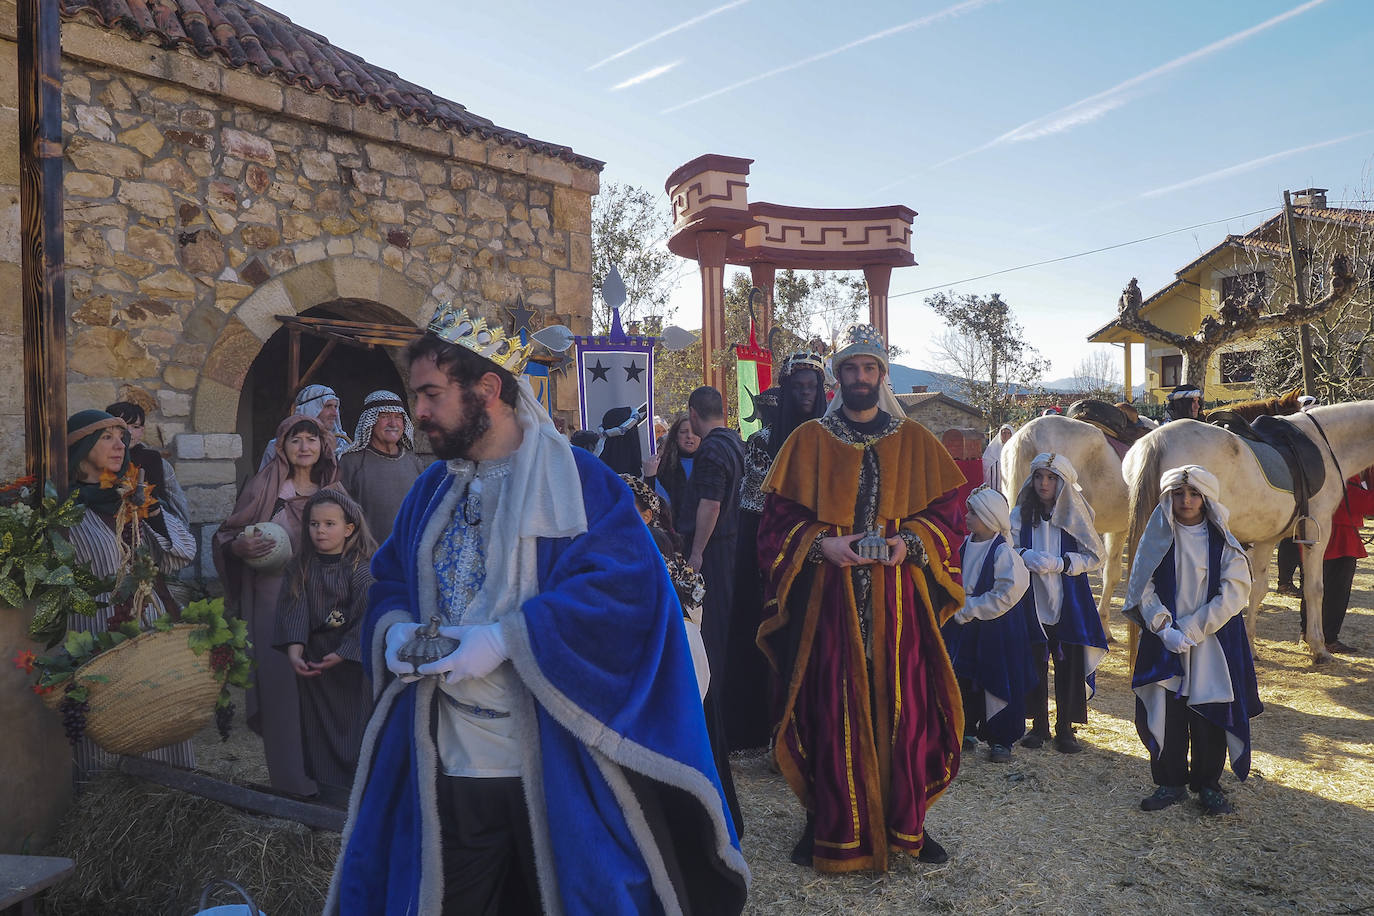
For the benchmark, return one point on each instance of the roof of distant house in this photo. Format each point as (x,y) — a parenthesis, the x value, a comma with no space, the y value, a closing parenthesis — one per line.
(914,399)
(248,35)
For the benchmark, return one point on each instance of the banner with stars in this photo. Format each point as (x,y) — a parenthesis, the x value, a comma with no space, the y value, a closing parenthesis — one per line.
(615,388)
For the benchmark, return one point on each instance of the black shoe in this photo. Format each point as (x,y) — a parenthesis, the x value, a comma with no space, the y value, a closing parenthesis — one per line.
(1214,802)
(1164,797)
(1341,648)
(1036,738)
(1289,589)
(932,853)
(970,742)
(1066,743)
(805,850)
(999,753)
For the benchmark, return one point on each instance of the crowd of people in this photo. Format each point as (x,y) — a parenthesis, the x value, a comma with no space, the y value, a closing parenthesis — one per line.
(512,661)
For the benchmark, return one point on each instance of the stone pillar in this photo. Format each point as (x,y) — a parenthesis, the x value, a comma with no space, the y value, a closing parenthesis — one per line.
(762,276)
(711,261)
(878,277)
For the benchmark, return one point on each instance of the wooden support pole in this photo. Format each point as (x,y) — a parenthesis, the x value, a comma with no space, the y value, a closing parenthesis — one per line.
(43,291)
(1300,291)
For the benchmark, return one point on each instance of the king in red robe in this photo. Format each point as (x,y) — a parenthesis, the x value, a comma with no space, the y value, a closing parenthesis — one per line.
(869,725)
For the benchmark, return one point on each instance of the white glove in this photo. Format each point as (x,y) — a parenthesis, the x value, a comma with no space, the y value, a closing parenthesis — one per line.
(962,616)
(397,635)
(1052,564)
(1174,639)
(481,652)
(1037,561)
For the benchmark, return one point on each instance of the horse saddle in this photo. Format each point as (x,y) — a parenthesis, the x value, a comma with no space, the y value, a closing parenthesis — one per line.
(1290,460)
(1111,420)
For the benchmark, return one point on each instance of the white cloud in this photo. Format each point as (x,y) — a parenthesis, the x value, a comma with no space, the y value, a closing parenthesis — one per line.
(1250,165)
(951,12)
(645,76)
(666,32)
(1087,110)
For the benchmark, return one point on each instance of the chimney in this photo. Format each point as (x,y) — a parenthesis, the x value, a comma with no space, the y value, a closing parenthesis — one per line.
(1310,197)
(918,389)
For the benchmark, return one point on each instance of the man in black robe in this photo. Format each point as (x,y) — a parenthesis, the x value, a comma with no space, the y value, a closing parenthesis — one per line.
(709,525)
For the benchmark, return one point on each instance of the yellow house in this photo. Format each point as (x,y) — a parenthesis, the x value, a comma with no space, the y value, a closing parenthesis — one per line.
(1233,269)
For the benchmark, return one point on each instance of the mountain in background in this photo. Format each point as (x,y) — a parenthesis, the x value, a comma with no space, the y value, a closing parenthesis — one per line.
(904,377)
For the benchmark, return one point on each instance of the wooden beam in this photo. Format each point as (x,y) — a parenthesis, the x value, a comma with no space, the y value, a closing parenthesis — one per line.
(254,801)
(293,363)
(43,290)
(329,346)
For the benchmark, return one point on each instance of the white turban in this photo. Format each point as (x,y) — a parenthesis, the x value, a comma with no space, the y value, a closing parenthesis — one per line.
(1071,511)
(1159,530)
(991,509)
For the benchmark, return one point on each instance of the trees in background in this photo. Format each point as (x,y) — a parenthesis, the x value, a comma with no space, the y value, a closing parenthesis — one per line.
(1096,377)
(630,231)
(984,347)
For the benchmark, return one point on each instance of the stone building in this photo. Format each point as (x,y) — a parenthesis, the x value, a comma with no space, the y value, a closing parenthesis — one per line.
(938,412)
(225,166)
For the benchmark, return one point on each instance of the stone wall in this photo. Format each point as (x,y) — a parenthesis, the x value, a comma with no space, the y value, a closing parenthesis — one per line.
(203,201)
(937,416)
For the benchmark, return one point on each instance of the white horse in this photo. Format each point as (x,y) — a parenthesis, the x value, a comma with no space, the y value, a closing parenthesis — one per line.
(1260,514)
(1099,474)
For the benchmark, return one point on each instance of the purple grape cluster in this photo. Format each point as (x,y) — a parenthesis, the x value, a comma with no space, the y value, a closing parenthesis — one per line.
(73,714)
(224,720)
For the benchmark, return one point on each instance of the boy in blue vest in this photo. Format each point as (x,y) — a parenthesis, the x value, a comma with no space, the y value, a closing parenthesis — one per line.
(990,637)
(1194,677)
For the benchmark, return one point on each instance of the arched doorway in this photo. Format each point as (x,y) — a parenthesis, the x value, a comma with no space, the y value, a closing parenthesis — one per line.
(351,369)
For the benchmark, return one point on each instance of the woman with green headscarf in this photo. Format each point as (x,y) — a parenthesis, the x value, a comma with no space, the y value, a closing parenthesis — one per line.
(97,465)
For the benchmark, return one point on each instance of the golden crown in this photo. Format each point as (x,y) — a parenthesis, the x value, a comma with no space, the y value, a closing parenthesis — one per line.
(454,324)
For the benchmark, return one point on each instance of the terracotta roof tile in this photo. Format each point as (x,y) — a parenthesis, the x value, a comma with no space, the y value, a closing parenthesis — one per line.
(247,34)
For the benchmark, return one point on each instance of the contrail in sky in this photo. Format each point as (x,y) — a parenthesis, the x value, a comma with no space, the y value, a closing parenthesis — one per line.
(666,32)
(1095,106)
(645,76)
(1252,164)
(957,9)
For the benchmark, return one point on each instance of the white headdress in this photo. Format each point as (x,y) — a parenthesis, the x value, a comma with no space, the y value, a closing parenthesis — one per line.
(380,402)
(1159,531)
(991,509)
(313,399)
(864,340)
(1071,511)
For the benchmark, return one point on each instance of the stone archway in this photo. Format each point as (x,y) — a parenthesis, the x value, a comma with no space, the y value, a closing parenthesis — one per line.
(254,321)
(207,458)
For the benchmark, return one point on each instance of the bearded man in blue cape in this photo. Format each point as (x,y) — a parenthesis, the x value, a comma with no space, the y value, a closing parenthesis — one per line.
(556,761)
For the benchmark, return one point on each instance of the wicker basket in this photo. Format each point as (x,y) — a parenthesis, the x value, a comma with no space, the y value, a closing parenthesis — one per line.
(157,692)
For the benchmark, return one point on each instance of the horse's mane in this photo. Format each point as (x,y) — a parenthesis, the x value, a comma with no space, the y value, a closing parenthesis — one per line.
(1282,405)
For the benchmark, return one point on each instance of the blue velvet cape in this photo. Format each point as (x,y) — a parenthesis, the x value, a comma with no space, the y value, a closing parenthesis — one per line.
(996,655)
(614,695)
(1079,623)
(1154,663)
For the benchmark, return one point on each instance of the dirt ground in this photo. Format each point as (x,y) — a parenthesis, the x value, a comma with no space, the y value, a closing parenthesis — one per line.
(1064,833)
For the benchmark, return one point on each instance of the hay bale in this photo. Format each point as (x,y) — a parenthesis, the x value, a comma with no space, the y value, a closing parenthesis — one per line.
(142,848)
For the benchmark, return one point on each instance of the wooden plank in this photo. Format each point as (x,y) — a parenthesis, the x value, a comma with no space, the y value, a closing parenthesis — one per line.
(254,801)
(293,363)
(21,877)
(329,346)
(43,288)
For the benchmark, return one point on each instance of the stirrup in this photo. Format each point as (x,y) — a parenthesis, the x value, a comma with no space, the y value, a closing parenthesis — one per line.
(1298,526)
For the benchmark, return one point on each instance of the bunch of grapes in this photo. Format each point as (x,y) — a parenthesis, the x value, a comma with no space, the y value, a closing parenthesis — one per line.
(221,657)
(73,714)
(224,720)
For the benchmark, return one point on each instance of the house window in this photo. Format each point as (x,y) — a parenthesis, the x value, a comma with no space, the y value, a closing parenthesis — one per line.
(1239,287)
(1239,367)
(1170,370)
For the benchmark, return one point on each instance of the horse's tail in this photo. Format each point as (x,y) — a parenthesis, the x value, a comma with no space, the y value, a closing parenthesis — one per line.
(1144,489)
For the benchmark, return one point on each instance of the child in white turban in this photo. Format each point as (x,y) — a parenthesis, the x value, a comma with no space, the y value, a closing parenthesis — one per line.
(1194,676)
(1053,529)
(990,638)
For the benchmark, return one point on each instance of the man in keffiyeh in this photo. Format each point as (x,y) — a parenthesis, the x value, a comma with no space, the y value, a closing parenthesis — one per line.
(379,467)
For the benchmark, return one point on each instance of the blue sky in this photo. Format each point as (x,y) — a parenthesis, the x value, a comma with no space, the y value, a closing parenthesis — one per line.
(1020,130)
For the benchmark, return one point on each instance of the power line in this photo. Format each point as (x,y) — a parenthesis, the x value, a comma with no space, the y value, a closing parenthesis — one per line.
(1081,254)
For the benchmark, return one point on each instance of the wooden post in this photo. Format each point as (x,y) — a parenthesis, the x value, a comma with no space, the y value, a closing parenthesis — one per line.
(43,291)
(1300,291)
